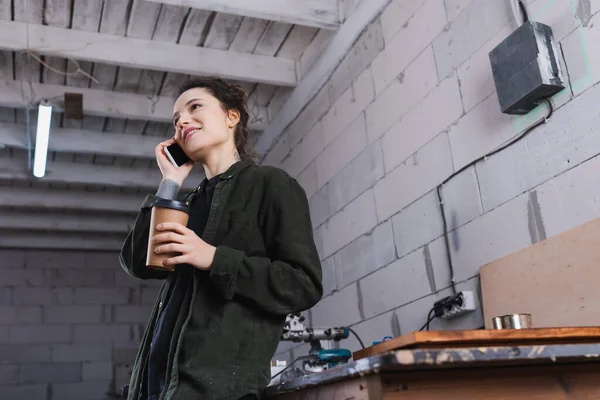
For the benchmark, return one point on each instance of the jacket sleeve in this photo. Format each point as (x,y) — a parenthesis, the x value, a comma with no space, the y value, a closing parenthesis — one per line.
(290,279)
(133,251)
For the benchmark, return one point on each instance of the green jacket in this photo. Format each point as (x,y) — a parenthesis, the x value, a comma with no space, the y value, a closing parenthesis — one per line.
(265,267)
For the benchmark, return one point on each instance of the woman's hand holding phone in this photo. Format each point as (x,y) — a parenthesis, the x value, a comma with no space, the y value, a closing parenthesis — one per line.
(168,170)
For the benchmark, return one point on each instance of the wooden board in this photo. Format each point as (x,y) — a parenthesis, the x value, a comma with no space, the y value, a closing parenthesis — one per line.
(483,338)
(555,280)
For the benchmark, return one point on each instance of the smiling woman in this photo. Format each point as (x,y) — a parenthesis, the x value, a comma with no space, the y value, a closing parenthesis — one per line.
(245,260)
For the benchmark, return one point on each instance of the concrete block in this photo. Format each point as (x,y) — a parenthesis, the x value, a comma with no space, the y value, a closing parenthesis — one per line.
(564,16)
(279,151)
(29,392)
(480,131)
(43,296)
(564,142)
(421,173)
(417,224)
(6,296)
(40,334)
(412,38)
(4,334)
(55,259)
(9,374)
(348,107)
(124,353)
(474,26)
(97,371)
(495,234)
(102,260)
(455,7)
(12,258)
(354,220)
(366,254)
(329,276)
(418,79)
(79,278)
(370,330)
(23,354)
(582,57)
(396,14)
(20,315)
(102,333)
(81,390)
(51,373)
(307,119)
(308,180)
(367,47)
(149,295)
(436,260)
(72,314)
(462,201)
(318,235)
(133,314)
(81,352)
(475,75)
(319,206)
(339,309)
(21,277)
(344,148)
(356,177)
(418,127)
(90,296)
(570,199)
(305,152)
(399,283)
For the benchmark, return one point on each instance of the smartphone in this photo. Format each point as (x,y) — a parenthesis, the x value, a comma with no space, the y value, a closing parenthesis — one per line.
(176,155)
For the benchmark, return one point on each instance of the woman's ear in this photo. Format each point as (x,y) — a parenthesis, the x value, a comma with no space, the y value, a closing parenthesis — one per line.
(233,118)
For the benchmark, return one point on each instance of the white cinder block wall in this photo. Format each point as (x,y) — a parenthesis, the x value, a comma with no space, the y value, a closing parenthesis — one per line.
(70,324)
(413,102)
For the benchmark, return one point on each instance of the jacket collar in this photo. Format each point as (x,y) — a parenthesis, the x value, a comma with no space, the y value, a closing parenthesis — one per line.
(236,169)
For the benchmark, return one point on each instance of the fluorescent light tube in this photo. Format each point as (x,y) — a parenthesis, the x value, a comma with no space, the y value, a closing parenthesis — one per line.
(41,140)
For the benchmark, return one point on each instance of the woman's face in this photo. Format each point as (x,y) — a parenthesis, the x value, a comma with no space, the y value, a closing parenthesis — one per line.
(201,124)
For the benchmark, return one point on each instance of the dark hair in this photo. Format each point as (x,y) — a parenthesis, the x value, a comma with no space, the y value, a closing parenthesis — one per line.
(231,97)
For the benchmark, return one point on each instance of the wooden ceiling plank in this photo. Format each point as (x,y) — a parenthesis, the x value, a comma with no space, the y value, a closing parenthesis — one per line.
(223,30)
(133,53)
(248,35)
(272,39)
(31,12)
(35,221)
(317,13)
(194,29)
(72,241)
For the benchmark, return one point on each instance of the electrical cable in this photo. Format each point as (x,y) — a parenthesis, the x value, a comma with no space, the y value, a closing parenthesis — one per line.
(497,150)
(429,319)
(357,337)
(523,9)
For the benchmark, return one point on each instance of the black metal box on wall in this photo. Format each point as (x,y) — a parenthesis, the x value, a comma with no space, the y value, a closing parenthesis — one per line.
(526,68)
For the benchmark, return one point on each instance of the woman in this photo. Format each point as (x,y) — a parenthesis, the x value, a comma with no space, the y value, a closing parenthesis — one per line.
(247,258)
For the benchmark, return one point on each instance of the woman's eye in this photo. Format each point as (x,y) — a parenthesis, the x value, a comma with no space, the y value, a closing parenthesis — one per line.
(194,106)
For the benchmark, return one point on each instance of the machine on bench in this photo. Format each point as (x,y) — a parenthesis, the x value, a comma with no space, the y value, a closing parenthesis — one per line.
(320,356)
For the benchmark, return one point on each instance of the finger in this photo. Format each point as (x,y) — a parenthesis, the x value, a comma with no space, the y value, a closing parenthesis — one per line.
(174,227)
(175,260)
(170,248)
(169,237)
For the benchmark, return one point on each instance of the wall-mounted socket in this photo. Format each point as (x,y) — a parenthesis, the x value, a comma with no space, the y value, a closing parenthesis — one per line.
(467,304)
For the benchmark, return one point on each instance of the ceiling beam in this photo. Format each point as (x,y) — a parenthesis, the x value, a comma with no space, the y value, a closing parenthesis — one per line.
(29,221)
(146,54)
(48,199)
(103,103)
(91,174)
(318,13)
(84,142)
(320,72)
(65,241)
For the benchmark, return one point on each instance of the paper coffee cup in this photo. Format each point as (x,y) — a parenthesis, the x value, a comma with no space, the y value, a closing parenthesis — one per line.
(164,211)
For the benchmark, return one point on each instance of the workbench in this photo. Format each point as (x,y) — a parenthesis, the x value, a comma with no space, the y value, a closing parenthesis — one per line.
(545,372)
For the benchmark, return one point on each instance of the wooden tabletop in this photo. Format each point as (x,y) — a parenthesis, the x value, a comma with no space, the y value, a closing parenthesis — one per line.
(431,359)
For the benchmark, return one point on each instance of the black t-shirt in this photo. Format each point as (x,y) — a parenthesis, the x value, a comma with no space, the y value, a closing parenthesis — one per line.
(183,274)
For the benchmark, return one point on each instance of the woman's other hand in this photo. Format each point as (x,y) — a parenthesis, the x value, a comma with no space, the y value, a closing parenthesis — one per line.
(179,239)
(168,170)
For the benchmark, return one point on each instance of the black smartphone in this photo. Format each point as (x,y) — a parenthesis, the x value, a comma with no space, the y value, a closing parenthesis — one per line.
(176,154)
